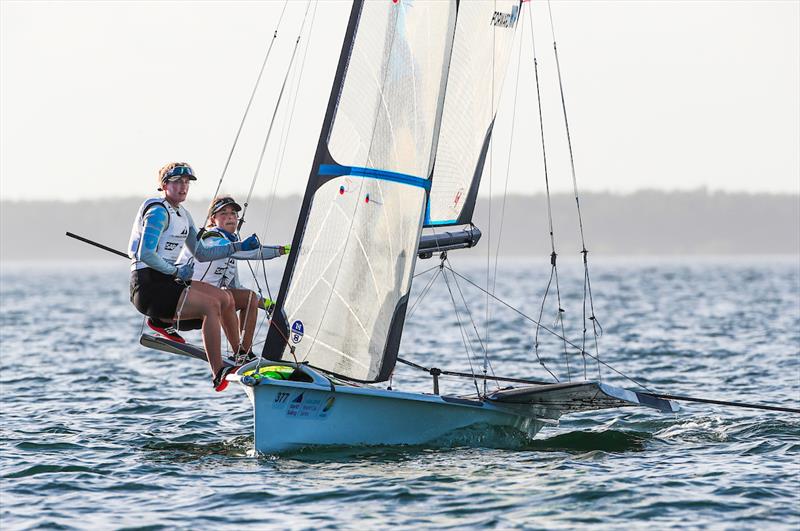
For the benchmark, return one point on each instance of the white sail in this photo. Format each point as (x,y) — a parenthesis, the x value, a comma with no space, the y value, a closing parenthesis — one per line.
(481,49)
(343,298)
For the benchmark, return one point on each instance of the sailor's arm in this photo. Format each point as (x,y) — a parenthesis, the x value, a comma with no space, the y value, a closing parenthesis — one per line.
(155,222)
(265,252)
(206,253)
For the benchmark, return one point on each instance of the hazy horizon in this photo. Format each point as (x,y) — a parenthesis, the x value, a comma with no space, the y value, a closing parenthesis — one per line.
(646,223)
(261,197)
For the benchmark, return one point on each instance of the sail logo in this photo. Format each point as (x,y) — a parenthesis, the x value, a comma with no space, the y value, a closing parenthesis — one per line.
(505,20)
(170,246)
(297,332)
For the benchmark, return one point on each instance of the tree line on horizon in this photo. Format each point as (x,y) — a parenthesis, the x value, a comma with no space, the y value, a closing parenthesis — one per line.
(647,222)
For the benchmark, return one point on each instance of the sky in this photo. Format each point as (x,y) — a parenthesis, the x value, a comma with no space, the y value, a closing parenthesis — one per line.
(672,95)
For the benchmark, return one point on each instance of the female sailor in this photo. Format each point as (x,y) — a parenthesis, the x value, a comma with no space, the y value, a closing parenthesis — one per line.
(164,291)
(223,219)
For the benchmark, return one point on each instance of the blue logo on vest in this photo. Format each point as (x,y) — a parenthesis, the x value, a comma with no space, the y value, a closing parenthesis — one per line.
(297,332)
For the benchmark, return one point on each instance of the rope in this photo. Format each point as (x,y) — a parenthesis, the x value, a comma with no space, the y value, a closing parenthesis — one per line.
(238,132)
(289,70)
(489,228)
(284,141)
(553,254)
(536,335)
(469,314)
(426,271)
(288,124)
(464,339)
(468,375)
(508,164)
(422,294)
(586,282)
(272,122)
(249,102)
(546,329)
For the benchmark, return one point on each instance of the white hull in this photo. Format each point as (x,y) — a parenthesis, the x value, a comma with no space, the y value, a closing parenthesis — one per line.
(289,415)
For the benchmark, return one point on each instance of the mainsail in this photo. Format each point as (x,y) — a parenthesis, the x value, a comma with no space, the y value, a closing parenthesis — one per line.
(343,296)
(481,49)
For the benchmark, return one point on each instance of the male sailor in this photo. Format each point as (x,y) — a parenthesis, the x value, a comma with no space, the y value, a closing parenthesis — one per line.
(223,220)
(164,291)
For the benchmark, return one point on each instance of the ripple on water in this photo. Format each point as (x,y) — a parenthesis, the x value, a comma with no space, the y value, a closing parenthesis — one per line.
(98,433)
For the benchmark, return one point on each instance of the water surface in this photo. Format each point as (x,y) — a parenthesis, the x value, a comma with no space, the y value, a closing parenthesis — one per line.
(99,432)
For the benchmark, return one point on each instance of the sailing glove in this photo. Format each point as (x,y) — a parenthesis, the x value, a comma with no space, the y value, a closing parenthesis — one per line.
(185,272)
(251,243)
(286,249)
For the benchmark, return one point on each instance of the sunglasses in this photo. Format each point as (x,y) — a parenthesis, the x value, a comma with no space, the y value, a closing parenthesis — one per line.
(177,171)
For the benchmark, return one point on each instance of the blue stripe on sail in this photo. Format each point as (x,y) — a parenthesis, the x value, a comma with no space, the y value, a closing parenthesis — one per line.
(441,222)
(384,175)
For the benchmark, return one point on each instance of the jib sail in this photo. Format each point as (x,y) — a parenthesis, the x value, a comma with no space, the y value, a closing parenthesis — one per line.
(481,49)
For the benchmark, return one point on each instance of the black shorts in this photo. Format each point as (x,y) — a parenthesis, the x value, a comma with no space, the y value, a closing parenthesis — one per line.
(155,294)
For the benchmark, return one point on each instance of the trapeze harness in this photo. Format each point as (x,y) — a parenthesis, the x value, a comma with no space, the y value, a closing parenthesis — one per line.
(172,240)
(221,273)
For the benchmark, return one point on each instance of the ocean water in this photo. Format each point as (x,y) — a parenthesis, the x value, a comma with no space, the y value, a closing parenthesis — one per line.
(98,432)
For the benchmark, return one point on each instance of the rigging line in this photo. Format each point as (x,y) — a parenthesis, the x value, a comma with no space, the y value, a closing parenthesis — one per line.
(422,294)
(258,330)
(285,139)
(745,405)
(469,314)
(468,375)
(546,329)
(593,318)
(464,338)
(426,271)
(536,335)
(261,157)
(284,142)
(553,255)
(489,231)
(250,101)
(508,161)
(584,251)
(583,333)
(272,120)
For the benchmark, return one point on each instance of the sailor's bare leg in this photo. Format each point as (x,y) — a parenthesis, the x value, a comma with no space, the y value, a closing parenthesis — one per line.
(215,307)
(247,304)
(229,322)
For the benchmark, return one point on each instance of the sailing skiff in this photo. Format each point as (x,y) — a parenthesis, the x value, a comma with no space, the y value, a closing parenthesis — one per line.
(403,145)
(296,406)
